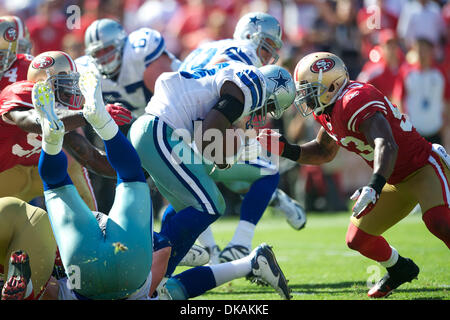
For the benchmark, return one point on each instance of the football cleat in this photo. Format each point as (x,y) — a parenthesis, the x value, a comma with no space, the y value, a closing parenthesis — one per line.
(19,274)
(231,253)
(94,108)
(265,270)
(405,272)
(44,103)
(214,253)
(294,212)
(196,256)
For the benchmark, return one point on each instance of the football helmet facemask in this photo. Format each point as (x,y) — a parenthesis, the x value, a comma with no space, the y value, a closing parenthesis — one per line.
(319,78)
(58,68)
(264,31)
(104,41)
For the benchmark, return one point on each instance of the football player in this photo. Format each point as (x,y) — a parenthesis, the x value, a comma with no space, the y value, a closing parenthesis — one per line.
(13,63)
(407,170)
(24,44)
(26,228)
(211,99)
(20,131)
(257,39)
(128,64)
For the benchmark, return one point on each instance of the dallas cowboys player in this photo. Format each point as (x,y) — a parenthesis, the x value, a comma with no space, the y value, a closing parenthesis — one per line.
(212,100)
(131,83)
(257,38)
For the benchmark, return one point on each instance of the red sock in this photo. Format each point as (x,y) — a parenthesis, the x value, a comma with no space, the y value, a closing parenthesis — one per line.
(437,220)
(372,247)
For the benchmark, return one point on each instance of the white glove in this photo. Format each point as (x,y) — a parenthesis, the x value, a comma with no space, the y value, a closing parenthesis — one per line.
(365,198)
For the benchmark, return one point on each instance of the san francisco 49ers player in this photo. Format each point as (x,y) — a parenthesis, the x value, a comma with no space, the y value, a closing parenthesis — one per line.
(13,66)
(20,146)
(407,169)
(24,44)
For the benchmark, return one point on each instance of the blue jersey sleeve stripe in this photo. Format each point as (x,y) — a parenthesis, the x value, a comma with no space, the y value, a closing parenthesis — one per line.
(245,57)
(156,53)
(251,86)
(232,56)
(254,77)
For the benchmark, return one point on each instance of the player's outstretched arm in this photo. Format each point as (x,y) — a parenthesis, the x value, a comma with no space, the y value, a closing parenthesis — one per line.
(379,135)
(87,155)
(316,152)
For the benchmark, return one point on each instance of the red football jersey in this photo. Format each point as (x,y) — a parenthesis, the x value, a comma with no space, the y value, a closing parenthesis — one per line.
(17,72)
(359,101)
(17,146)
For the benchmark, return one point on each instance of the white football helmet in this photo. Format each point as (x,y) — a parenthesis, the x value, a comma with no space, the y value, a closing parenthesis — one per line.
(280,94)
(320,78)
(104,41)
(260,28)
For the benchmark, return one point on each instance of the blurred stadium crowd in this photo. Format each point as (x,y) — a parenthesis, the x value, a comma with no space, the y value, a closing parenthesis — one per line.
(400,46)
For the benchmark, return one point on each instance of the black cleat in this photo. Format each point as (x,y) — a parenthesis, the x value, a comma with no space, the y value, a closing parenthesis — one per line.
(405,270)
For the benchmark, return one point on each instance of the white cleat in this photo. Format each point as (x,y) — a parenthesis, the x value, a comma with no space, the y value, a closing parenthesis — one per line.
(265,269)
(94,108)
(231,253)
(214,253)
(294,212)
(196,256)
(52,127)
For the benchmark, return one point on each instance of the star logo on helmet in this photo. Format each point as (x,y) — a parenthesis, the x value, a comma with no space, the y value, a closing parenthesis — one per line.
(280,82)
(254,20)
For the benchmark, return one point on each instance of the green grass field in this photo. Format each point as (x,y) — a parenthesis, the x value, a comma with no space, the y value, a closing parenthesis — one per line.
(319,265)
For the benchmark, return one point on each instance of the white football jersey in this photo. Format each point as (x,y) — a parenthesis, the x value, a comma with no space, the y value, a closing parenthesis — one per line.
(142,47)
(183,97)
(228,49)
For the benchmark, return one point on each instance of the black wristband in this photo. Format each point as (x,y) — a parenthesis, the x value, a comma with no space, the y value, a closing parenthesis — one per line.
(291,151)
(377,182)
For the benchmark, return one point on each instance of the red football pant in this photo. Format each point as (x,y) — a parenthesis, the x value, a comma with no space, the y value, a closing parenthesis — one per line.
(437,220)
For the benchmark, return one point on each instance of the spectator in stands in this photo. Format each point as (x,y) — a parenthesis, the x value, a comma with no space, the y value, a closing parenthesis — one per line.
(384,63)
(422,91)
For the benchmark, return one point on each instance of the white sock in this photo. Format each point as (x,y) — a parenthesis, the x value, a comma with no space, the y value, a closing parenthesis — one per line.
(52,149)
(206,238)
(392,260)
(108,131)
(243,235)
(225,272)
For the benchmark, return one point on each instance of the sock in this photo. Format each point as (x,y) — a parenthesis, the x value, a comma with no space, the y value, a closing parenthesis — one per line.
(243,235)
(29,294)
(124,159)
(53,170)
(257,198)
(182,229)
(50,148)
(372,247)
(392,260)
(437,220)
(206,238)
(225,272)
(196,281)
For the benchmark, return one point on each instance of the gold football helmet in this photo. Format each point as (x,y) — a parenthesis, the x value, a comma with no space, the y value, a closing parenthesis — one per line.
(60,70)
(24,45)
(8,44)
(319,79)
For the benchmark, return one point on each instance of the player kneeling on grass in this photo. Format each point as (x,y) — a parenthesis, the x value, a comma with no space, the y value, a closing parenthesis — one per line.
(407,170)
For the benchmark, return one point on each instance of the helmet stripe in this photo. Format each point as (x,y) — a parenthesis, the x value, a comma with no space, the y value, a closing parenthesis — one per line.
(72,64)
